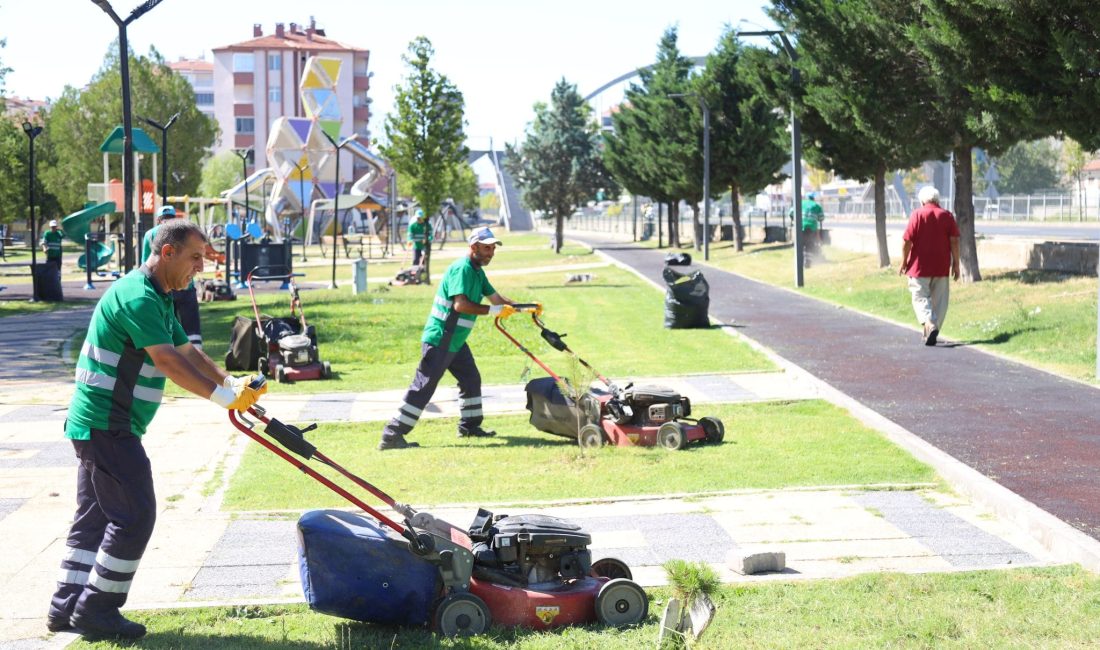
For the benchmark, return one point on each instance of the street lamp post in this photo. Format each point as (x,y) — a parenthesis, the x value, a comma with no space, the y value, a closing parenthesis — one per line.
(336,199)
(163,152)
(796,150)
(243,155)
(706,169)
(32,133)
(301,193)
(127,121)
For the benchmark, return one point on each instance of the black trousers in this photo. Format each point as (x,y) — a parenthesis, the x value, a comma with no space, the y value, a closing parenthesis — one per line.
(187,311)
(434,361)
(115,513)
(417,254)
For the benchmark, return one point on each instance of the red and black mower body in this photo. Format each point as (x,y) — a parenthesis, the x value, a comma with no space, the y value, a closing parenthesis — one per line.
(288,345)
(410,568)
(643,416)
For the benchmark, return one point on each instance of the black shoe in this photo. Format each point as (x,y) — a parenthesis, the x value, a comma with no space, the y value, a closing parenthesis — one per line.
(58,623)
(476,432)
(932,337)
(395,442)
(109,624)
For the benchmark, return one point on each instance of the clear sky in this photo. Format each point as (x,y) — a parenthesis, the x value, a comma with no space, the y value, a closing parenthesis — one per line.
(503,55)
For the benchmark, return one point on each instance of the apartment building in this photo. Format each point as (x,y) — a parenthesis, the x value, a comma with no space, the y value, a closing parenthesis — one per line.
(256,81)
(200,74)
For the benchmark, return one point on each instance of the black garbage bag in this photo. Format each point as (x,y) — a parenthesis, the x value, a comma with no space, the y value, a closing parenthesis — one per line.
(244,345)
(678,259)
(687,300)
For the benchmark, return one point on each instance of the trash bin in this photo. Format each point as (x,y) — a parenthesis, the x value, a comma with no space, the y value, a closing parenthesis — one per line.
(358,277)
(687,300)
(47,282)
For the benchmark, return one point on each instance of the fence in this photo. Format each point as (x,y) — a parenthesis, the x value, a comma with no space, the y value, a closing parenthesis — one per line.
(1060,206)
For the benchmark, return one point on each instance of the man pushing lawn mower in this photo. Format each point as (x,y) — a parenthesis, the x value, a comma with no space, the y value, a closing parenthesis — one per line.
(452,317)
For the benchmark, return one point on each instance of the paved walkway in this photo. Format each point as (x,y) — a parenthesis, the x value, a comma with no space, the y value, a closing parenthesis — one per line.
(1032,432)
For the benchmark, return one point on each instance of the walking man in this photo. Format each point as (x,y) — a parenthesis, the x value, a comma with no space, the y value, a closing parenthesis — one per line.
(443,344)
(51,244)
(134,341)
(929,252)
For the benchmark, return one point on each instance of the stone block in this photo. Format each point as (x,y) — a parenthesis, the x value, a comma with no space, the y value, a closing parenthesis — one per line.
(753,563)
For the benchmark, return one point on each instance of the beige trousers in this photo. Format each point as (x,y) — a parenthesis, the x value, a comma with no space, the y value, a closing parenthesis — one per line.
(930,299)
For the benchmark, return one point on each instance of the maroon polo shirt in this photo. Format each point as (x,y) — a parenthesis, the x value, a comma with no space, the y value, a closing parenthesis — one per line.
(930,230)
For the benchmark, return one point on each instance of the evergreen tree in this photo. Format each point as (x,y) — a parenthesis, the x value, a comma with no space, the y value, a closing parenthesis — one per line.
(425,138)
(558,167)
(87,116)
(1028,167)
(747,138)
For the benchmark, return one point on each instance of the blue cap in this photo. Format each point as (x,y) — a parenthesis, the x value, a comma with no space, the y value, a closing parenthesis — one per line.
(419,213)
(484,236)
(811,196)
(166,212)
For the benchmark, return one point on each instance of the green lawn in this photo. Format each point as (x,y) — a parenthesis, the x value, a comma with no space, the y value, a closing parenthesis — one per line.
(768,445)
(615,322)
(1043,319)
(1056,607)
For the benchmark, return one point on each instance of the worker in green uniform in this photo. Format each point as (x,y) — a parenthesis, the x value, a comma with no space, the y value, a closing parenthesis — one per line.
(186,300)
(812,217)
(420,234)
(51,244)
(133,343)
(443,344)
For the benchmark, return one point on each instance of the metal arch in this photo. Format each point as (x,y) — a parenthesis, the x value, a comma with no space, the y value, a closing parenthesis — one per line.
(696,60)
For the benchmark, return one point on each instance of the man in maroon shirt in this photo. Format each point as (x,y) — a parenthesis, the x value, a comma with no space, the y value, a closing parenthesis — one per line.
(931,249)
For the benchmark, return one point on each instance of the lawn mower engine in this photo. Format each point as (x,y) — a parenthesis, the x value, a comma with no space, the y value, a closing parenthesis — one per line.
(648,416)
(291,355)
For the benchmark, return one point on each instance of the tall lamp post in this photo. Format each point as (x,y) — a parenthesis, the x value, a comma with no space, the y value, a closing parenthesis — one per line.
(336,199)
(301,193)
(163,152)
(243,155)
(127,121)
(32,132)
(796,149)
(706,169)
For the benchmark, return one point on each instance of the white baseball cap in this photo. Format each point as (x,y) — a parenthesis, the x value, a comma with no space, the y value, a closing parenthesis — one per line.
(53,222)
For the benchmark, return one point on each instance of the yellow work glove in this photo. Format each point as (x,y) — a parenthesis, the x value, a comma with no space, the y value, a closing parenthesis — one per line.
(501,311)
(240,396)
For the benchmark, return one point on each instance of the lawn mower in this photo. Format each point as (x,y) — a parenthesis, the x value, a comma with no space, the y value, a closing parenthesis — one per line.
(631,415)
(288,345)
(412,275)
(531,571)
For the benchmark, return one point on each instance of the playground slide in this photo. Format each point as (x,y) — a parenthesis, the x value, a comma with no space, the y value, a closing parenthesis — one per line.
(359,190)
(79,224)
(255,185)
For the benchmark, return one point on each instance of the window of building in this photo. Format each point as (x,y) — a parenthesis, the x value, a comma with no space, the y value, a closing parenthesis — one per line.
(204,99)
(274,61)
(243,62)
(274,94)
(246,125)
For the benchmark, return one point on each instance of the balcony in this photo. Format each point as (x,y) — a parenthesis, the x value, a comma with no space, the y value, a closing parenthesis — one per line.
(361,113)
(244,110)
(243,78)
(244,140)
(362,82)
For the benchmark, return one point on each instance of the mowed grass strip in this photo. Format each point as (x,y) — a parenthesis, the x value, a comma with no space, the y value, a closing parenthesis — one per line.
(768,445)
(373,340)
(1053,607)
(1043,319)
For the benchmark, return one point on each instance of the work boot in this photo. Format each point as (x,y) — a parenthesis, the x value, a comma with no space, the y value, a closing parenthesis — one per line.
(475,432)
(110,624)
(932,336)
(395,442)
(58,623)
(928,334)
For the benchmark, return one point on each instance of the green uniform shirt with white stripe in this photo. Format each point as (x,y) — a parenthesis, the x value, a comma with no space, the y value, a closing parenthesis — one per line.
(462,277)
(419,233)
(117,385)
(52,240)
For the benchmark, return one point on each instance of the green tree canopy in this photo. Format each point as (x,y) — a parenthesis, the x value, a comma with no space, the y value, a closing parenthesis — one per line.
(86,116)
(558,167)
(425,138)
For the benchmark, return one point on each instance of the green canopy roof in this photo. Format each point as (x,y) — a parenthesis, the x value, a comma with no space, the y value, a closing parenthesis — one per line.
(142,142)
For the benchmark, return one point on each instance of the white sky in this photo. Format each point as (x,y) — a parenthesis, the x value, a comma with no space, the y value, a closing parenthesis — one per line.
(503,55)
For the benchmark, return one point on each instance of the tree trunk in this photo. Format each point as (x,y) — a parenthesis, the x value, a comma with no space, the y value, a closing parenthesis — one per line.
(559,225)
(674,224)
(427,259)
(696,227)
(880,217)
(735,209)
(964,214)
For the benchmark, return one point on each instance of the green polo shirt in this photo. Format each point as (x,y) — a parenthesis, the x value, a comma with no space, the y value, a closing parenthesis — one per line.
(462,277)
(117,385)
(419,234)
(53,244)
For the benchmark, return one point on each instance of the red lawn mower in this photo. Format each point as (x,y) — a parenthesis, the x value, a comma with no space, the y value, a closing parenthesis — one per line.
(530,571)
(642,416)
(288,345)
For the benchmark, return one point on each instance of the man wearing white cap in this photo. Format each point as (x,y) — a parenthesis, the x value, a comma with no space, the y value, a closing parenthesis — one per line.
(443,345)
(51,244)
